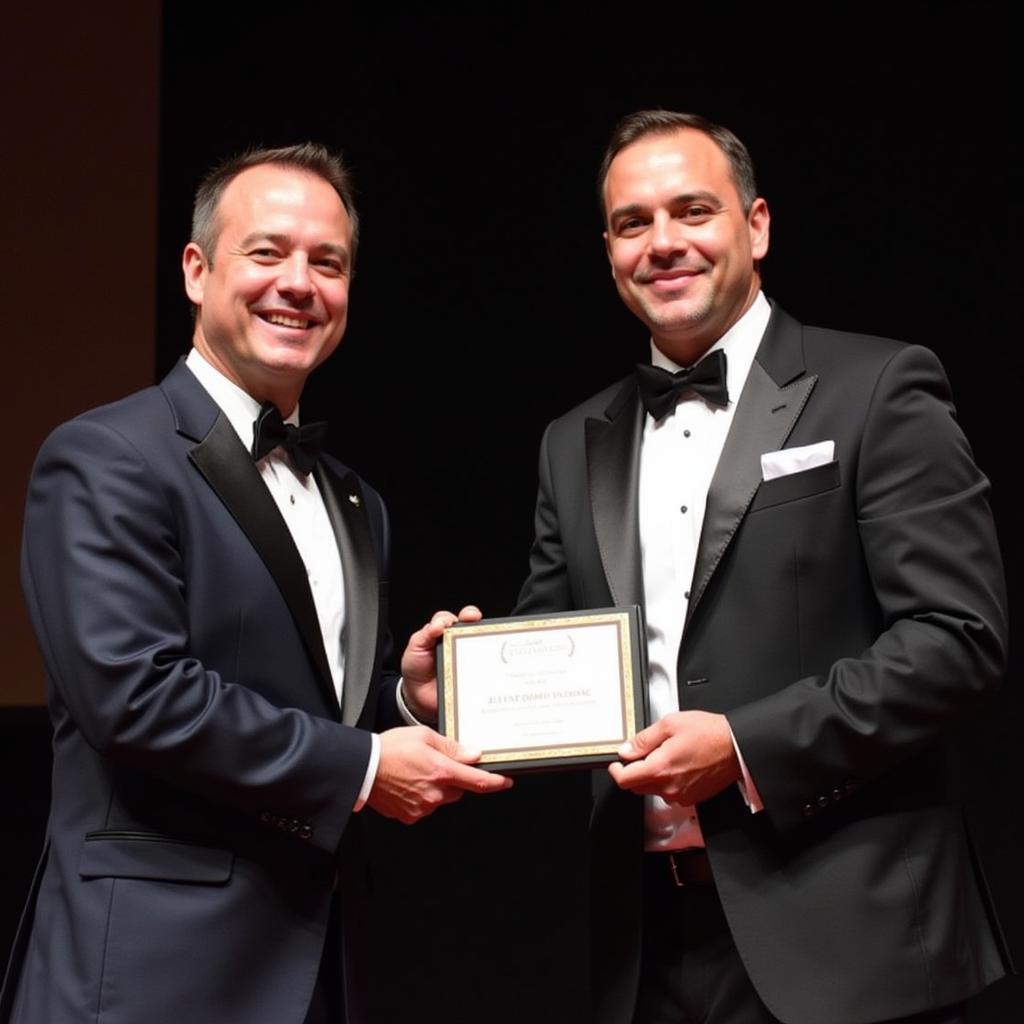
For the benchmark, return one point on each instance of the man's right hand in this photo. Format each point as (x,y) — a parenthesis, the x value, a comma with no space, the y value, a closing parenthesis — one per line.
(420,770)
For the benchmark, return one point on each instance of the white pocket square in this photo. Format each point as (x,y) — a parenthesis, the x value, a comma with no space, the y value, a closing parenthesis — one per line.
(796,460)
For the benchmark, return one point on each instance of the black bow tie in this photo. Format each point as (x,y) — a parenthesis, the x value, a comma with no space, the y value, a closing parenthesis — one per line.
(660,390)
(302,444)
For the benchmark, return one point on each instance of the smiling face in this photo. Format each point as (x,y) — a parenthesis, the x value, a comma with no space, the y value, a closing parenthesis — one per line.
(682,250)
(273,301)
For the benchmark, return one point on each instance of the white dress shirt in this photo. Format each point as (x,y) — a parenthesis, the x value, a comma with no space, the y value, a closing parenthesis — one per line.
(302,507)
(678,458)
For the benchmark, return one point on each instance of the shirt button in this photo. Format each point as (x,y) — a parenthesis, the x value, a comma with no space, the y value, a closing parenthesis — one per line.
(686,433)
(291,498)
(687,595)
(682,508)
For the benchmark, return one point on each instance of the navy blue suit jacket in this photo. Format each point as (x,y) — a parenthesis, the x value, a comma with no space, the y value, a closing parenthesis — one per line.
(204,775)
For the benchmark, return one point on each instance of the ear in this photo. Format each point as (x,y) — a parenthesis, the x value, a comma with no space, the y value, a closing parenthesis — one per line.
(195,269)
(608,251)
(759,222)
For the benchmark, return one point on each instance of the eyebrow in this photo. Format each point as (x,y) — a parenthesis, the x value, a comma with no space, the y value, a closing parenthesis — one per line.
(702,195)
(285,240)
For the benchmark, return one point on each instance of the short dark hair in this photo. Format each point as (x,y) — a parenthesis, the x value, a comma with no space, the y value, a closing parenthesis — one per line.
(305,156)
(664,122)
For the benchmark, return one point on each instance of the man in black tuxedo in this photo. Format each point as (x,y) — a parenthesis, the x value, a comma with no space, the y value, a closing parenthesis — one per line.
(801,519)
(209,594)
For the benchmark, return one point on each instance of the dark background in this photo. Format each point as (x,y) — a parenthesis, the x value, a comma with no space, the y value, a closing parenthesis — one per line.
(888,149)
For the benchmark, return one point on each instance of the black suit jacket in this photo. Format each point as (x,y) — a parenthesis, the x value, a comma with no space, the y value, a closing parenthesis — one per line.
(204,774)
(845,619)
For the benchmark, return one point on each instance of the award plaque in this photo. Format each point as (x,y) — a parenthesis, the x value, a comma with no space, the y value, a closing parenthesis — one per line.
(553,691)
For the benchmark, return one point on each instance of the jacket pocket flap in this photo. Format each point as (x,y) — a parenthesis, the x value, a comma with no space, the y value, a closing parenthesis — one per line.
(796,485)
(155,857)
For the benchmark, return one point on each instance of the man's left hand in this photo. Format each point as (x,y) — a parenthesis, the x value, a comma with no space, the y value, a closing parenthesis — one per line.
(685,757)
(419,662)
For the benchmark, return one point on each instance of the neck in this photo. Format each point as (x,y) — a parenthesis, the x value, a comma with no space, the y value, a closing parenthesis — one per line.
(689,344)
(260,386)
(680,352)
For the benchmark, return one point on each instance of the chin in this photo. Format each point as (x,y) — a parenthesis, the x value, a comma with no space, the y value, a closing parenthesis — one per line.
(677,322)
(289,358)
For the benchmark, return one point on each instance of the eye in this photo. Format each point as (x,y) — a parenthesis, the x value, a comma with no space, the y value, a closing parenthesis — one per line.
(264,254)
(697,213)
(330,265)
(630,226)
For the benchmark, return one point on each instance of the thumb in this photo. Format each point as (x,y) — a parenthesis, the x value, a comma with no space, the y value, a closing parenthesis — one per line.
(456,751)
(642,743)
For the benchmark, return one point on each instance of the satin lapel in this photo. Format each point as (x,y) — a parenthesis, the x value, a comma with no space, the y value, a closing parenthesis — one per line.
(613,471)
(227,468)
(346,508)
(764,418)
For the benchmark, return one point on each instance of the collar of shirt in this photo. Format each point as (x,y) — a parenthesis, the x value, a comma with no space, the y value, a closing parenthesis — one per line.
(740,344)
(239,406)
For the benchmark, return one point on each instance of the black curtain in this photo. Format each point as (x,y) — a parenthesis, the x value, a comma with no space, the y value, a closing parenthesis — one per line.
(483,306)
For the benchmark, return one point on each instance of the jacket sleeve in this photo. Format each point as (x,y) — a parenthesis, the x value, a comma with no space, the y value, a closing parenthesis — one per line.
(104,576)
(930,549)
(547,588)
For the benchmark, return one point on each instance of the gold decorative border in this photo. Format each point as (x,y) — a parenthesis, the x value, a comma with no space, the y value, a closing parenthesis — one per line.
(621,619)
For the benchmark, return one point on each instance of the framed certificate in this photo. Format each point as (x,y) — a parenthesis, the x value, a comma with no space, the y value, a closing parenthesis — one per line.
(544,692)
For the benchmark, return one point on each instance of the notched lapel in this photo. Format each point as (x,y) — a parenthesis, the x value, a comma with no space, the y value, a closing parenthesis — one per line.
(613,471)
(764,418)
(227,468)
(346,508)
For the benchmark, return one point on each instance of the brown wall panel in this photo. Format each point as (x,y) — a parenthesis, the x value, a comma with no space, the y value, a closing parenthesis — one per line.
(81,123)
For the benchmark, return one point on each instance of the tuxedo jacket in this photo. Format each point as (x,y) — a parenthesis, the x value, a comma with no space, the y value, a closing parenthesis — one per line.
(204,774)
(844,619)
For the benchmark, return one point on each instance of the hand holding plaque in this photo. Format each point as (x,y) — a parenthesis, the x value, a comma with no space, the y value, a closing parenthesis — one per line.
(553,691)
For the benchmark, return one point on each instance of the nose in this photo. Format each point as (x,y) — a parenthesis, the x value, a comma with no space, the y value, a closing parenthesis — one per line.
(294,279)
(666,237)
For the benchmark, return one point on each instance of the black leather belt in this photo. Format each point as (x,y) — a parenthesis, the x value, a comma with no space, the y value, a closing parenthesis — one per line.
(680,868)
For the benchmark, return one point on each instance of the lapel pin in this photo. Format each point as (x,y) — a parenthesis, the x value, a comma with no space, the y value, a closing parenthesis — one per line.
(355,499)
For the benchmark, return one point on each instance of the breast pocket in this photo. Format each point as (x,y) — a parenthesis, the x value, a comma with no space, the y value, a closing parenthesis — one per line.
(795,486)
(151,856)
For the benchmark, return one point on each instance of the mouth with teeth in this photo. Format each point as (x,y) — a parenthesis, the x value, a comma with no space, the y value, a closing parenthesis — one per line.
(281,320)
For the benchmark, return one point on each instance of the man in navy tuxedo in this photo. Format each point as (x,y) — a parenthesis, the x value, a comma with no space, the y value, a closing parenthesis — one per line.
(209,594)
(802,521)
